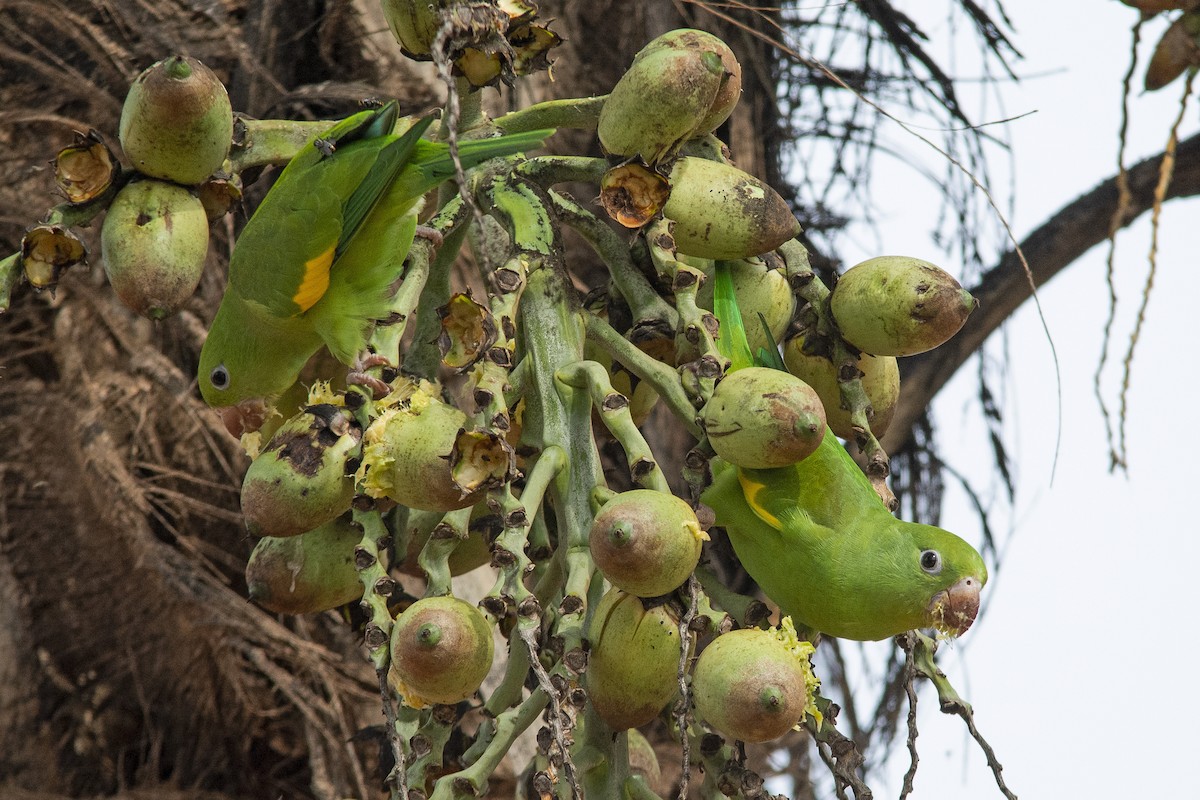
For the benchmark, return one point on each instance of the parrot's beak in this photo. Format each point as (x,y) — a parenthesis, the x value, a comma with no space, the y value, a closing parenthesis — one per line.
(245,417)
(953,610)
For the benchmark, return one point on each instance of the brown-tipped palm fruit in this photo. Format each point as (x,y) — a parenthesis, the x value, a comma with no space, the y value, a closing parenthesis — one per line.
(634,659)
(415,23)
(308,573)
(880,377)
(47,251)
(154,242)
(680,85)
(758,290)
(177,123)
(410,455)
(441,651)
(1178,49)
(646,542)
(299,480)
(899,306)
(721,212)
(753,686)
(759,418)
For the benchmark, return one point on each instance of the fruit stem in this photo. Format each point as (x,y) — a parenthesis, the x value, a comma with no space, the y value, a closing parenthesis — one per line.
(260,142)
(573,112)
(434,558)
(613,408)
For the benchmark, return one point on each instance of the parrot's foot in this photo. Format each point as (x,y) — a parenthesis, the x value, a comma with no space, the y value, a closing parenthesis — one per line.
(358,375)
(432,234)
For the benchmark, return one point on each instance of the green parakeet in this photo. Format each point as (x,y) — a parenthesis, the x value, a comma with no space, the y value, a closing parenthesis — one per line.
(315,263)
(820,543)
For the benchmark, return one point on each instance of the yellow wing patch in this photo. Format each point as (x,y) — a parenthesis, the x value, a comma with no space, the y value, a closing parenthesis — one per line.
(751,490)
(315,282)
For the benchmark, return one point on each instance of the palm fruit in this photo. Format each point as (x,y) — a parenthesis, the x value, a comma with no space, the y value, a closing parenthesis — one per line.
(299,480)
(308,573)
(755,685)
(760,418)
(177,123)
(899,306)
(154,242)
(1178,49)
(758,290)
(642,758)
(880,376)
(415,23)
(683,84)
(721,212)
(411,453)
(47,251)
(441,651)
(646,542)
(633,661)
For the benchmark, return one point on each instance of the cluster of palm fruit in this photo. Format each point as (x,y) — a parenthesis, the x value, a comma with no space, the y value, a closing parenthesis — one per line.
(351,486)
(1178,49)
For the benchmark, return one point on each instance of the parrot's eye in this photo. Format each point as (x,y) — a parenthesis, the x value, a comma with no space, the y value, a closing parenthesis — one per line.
(219,377)
(931,561)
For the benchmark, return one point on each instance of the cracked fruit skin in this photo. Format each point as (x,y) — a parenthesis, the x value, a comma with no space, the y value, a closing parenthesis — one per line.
(880,380)
(177,123)
(682,84)
(308,573)
(721,212)
(899,306)
(441,651)
(750,686)
(634,657)
(760,418)
(299,480)
(154,242)
(646,542)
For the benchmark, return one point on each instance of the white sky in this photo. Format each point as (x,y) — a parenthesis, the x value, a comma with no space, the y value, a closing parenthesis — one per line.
(1081,668)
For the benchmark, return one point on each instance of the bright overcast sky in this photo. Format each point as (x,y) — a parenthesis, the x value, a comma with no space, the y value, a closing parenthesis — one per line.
(1081,670)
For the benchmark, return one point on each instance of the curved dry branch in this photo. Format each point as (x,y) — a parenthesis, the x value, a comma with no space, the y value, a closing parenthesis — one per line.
(1079,226)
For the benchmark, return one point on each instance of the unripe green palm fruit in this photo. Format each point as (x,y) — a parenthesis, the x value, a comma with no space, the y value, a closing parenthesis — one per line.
(752,685)
(880,380)
(758,291)
(759,418)
(415,23)
(441,651)
(646,542)
(308,573)
(721,212)
(899,306)
(154,242)
(633,661)
(682,84)
(299,479)
(410,453)
(177,123)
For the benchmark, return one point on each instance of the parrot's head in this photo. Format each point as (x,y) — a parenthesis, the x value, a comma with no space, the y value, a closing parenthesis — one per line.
(950,574)
(239,375)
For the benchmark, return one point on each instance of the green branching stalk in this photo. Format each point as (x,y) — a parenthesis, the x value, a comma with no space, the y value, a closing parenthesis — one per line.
(746,611)
(434,558)
(429,743)
(575,112)
(547,171)
(260,142)
(449,222)
(809,288)
(949,700)
(10,275)
(613,408)
(471,782)
(660,376)
(645,303)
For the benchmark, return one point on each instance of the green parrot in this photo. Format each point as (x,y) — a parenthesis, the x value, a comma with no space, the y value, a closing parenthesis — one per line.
(820,543)
(315,263)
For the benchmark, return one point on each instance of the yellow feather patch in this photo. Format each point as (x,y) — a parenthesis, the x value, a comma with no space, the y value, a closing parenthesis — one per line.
(315,282)
(751,490)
